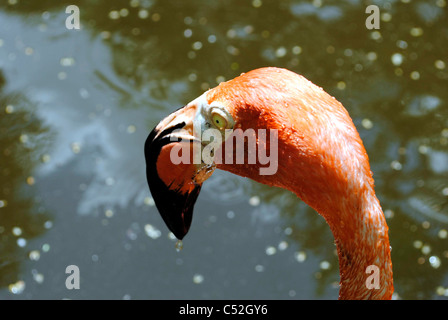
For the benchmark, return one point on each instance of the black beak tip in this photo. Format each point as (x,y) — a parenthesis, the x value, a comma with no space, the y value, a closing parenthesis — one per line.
(176,221)
(175,208)
(179,234)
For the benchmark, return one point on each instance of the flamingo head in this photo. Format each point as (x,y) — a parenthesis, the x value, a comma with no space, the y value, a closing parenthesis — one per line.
(175,165)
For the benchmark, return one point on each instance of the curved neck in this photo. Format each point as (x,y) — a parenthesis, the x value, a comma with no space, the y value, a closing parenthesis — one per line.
(361,237)
(345,197)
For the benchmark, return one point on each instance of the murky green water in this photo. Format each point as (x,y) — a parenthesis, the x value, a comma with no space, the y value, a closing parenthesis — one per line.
(77,105)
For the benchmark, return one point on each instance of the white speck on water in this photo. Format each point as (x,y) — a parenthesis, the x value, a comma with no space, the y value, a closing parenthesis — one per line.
(17,287)
(401,44)
(434,261)
(386,17)
(270,250)
(325,265)
(426,249)
(415,75)
(198,278)
(254,201)
(21,242)
(417,244)
(114,15)
(67,62)
(9,109)
(257,3)
(288,231)
(143,13)
(423,149)
(220,79)
(48,224)
(300,256)
(109,213)
(416,32)
(76,147)
(230,214)
(45,247)
(259,268)
(397,59)
(46,158)
(376,35)
(280,52)
(211,38)
(372,56)
(23,138)
(197,45)
(396,165)
(341,85)
(367,123)
(441,291)
(131,129)
(439,64)
(124,12)
(34,255)
(388,213)
(17,231)
(152,231)
(283,245)
(296,50)
(188,33)
(38,277)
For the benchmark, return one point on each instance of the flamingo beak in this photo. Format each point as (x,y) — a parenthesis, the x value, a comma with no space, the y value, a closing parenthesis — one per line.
(175,186)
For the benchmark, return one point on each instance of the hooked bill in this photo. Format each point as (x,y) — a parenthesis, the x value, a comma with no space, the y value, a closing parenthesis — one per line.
(173,186)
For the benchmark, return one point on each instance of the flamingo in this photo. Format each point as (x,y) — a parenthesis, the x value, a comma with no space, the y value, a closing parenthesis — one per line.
(321,158)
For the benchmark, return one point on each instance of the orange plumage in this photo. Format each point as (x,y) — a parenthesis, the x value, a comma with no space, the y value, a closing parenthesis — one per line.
(322,160)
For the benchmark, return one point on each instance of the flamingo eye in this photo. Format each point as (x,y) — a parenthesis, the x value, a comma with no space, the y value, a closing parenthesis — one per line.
(219,121)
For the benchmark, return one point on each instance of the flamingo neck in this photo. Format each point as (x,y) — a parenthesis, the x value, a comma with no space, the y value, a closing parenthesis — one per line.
(344,195)
(361,237)
(353,212)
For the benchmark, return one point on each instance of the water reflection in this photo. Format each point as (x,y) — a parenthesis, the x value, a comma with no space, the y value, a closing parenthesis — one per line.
(23,217)
(84,102)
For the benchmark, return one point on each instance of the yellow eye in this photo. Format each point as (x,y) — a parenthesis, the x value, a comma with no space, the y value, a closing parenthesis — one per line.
(219,121)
